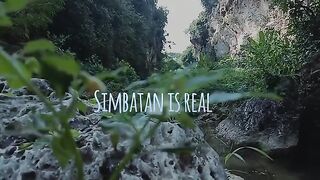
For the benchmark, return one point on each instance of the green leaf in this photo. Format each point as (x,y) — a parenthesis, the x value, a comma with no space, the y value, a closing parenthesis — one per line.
(82,106)
(39,46)
(235,153)
(59,152)
(260,152)
(15,5)
(238,156)
(106,115)
(178,150)
(63,147)
(227,157)
(75,133)
(6,67)
(185,120)
(219,97)
(60,81)
(201,81)
(44,122)
(65,63)
(115,138)
(25,146)
(33,65)
(92,83)
(5,21)
(13,70)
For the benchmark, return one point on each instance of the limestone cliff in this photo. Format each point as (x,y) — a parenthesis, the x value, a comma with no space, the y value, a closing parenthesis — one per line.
(226,24)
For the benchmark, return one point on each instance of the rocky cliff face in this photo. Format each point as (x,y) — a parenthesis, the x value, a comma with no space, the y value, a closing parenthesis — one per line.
(226,25)
(261,122)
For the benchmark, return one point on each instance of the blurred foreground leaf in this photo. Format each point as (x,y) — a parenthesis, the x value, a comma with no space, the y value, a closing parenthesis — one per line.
(65,64)
(38,46)
(219,97)
(185,120)
(5,21)
(13,70)
(15,5)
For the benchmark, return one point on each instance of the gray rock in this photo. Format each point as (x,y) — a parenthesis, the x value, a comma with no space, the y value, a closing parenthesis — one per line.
(100,159)
(233,177)
(262,122)
(41,84)
(3,86)
(97,151)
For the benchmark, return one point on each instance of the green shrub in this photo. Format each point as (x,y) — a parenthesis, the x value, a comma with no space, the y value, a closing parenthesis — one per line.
(205,62)
(170,65)
(269,55)
(114,30)
(188,56)
(241,80)
(126,75)
(93,65)
(32,21)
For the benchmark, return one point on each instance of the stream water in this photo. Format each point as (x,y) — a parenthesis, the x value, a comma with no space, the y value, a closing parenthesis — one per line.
(285,166)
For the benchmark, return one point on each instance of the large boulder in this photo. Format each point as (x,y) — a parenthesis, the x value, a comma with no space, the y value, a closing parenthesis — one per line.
(261,122)
(99,156)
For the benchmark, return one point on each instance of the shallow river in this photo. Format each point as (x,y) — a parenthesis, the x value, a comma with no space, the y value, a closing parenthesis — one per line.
(285,165)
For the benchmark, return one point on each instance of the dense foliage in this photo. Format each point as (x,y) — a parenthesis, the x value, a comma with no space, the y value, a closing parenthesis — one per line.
(304,24)
(261,66)
(110,31)
(113,31)
(31,22)
(188,56)
(171,62)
